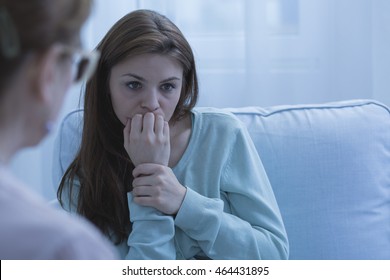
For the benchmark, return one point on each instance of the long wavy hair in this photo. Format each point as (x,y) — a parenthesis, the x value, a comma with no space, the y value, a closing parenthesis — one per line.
(102,166)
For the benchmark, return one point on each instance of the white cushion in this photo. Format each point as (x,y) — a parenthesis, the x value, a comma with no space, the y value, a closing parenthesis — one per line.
(329,166)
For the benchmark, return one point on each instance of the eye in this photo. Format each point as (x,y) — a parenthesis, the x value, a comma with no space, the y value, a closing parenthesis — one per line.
(168,87)
(134,85)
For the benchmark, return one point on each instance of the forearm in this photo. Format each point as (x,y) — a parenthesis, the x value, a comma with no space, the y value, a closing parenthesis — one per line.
(222,235)
(152,235)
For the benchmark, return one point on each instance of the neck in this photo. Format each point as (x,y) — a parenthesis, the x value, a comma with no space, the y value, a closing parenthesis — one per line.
(179,137)
(17,125)
(8,147)
(179,126)
(12,138)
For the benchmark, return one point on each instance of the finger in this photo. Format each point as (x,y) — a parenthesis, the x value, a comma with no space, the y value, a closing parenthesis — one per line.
(145,200)
(143,191)
(146,169)
(166,129)
(148,123)
(146,180)
(136,126)
(159,125)
(126,131)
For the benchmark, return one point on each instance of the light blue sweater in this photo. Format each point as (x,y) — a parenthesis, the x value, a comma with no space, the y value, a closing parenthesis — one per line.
(229,210)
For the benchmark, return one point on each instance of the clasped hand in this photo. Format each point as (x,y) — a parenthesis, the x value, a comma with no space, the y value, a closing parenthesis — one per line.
(147,141)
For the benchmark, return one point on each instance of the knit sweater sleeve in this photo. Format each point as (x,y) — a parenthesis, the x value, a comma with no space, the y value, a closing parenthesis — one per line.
(245,222)
(152,235)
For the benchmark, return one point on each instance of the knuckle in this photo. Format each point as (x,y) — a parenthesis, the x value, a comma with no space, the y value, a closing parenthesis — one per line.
(158,191)
(159,201)
(160,141)
(159,171)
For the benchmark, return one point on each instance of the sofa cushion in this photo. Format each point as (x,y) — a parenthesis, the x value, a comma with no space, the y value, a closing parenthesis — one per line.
(329,166)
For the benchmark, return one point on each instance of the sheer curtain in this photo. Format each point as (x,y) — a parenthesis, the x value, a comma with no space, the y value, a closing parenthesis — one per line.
(257,53)
(268,52)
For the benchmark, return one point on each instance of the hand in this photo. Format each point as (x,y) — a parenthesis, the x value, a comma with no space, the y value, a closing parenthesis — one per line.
(157,186)
(146,139)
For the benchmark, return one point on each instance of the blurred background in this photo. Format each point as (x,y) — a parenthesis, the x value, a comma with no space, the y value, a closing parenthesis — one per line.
(255,53)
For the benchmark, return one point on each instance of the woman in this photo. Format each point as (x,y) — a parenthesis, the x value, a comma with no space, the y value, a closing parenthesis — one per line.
(164,180)
(38,42)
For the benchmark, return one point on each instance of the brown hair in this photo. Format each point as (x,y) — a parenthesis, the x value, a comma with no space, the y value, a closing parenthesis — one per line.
(102,165)
(35,25)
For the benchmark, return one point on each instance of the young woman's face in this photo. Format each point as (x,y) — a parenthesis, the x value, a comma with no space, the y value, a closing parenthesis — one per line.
(146,83)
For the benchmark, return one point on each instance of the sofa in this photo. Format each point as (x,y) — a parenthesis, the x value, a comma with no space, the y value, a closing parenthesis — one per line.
(328,164)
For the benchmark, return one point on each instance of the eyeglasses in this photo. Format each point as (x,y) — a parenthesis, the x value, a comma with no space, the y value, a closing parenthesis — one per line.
(84,63)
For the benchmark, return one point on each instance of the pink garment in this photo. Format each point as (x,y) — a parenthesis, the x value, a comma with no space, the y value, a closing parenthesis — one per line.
(31,229)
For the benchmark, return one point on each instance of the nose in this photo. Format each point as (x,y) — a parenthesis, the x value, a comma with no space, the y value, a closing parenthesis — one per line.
(150,102)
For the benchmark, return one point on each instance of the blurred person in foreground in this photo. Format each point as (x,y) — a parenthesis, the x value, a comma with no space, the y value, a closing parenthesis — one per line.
(40,58)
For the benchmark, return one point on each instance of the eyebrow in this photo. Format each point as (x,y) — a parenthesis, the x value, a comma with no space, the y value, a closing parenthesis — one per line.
(142,79)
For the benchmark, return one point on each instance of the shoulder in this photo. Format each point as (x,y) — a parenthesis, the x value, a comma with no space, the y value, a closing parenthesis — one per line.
(217,118)
(37,231)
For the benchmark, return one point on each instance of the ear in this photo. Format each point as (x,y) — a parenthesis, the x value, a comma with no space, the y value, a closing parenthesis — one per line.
(44,72)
